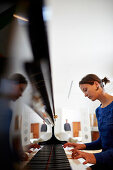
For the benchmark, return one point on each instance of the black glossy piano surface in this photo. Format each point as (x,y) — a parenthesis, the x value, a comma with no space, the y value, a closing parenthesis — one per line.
(50,157)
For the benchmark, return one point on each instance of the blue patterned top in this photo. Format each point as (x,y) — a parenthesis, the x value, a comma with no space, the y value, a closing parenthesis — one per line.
(105,141)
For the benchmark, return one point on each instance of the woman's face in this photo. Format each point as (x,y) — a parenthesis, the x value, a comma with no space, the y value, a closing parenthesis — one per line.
(90,91)
(18,91)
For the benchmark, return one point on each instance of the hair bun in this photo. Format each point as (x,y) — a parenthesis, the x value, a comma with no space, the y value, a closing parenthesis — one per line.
(105,80)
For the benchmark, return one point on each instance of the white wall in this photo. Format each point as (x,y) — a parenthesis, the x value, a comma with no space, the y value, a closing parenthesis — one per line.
(80,40)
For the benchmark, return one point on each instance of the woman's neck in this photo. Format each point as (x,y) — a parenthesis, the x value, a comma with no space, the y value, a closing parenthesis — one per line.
(105,99)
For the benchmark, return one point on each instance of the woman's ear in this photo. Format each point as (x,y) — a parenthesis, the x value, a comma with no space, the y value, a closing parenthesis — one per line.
(96,85)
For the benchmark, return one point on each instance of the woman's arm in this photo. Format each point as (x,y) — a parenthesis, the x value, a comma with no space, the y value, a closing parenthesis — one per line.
(105,158)
(94,145)
(86,146)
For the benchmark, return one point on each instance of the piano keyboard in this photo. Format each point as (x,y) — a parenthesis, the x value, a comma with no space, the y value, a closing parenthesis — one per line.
(50,157)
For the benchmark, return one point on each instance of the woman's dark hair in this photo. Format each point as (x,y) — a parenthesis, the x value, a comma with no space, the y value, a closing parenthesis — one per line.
(18,78)
(90,78)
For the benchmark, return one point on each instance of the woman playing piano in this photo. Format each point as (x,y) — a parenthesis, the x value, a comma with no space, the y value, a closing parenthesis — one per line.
(93,88)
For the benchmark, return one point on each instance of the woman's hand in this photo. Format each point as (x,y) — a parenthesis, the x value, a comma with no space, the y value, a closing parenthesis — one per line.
(34,145)
(28,147)
(89,157)
(75,145)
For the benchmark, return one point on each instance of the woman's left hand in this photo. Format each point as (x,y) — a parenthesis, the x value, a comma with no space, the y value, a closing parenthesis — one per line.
(35,145)
(89,157)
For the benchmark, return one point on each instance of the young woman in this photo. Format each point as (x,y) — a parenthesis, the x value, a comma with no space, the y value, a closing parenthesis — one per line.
(93,88)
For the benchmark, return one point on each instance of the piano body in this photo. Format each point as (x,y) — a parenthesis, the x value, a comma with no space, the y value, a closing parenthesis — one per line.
(51,155)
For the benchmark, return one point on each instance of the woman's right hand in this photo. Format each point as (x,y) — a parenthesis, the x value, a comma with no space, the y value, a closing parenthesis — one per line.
(75,145)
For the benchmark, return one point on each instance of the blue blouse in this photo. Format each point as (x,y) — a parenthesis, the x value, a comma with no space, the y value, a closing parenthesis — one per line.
(105,141)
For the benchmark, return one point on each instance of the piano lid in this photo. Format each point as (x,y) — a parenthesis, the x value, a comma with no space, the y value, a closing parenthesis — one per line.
(39,71)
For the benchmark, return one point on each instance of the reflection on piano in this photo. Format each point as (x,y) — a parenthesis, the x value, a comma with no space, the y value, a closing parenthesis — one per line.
(39,71)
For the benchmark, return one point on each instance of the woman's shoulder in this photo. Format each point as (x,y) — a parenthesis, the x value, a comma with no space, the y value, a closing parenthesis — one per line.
(98,108)
(108,107)
(97,111)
